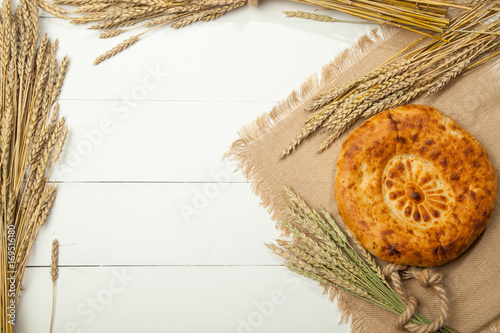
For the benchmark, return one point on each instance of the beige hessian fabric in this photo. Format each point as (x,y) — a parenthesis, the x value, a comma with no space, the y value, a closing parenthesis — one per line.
(472,280)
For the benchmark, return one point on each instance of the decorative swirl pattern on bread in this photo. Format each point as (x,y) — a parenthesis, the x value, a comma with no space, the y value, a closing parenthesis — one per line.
(414,191)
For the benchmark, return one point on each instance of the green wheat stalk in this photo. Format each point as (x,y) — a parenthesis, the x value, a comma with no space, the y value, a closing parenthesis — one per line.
(321,251)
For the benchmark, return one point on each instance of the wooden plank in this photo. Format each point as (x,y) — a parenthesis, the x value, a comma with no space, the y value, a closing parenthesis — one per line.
(152,140)
(157,224)
(176,299)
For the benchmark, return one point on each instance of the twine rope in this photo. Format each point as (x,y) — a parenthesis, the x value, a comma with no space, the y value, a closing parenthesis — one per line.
(427,278)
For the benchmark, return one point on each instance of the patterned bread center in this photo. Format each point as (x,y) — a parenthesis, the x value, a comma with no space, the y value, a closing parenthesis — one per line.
(414,191)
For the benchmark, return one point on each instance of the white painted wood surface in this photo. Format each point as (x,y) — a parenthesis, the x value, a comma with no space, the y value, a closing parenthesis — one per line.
(157,233)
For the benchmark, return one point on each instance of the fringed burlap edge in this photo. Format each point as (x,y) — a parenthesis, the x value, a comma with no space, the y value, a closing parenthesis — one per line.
(265,123)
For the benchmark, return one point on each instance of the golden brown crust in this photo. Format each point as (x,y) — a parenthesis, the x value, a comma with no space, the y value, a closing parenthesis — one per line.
(414,187)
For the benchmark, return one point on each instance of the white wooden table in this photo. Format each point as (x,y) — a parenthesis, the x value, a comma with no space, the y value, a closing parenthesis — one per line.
(157,233)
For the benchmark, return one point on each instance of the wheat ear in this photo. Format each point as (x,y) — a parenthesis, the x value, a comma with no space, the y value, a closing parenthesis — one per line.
(53,273)
(117,49)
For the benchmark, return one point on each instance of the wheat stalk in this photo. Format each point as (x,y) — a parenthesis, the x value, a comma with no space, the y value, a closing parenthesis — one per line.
(318,249)
(117,49)
(472,36)
(317,17)
(111,33)
(54,260)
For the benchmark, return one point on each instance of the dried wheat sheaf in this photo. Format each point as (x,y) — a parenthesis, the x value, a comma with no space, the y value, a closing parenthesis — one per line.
(31,140)
(317,248)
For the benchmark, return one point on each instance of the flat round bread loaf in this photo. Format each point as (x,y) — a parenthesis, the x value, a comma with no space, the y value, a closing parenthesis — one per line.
(414,187)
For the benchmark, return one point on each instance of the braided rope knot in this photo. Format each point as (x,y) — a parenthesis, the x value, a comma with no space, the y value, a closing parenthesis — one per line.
(427,278)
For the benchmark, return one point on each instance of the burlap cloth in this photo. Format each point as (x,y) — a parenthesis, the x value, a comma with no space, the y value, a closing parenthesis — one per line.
(473,99)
